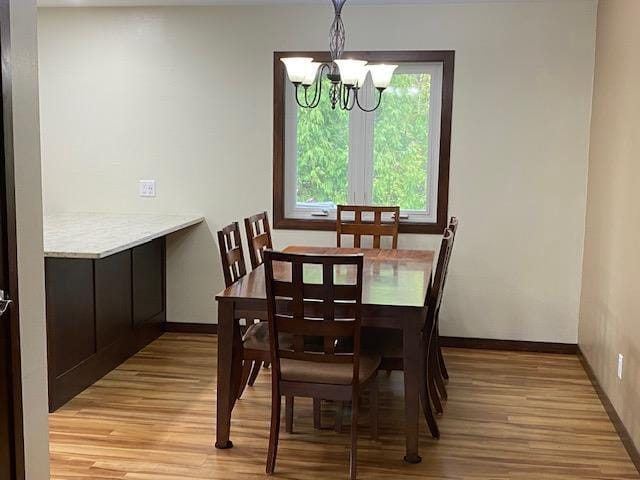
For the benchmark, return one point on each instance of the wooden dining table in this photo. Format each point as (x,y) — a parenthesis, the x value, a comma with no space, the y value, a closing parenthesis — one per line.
(395,285)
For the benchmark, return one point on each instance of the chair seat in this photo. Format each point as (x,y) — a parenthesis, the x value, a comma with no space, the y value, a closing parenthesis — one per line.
(328,373)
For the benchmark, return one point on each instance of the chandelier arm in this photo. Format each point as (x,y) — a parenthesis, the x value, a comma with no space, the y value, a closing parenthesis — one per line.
(344,92)
(353,99)
(367,110)
(300,104)
(317,94)
(345,97)
(306,96)
(317,91)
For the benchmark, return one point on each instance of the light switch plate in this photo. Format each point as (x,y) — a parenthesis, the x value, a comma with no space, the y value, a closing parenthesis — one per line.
(147,188)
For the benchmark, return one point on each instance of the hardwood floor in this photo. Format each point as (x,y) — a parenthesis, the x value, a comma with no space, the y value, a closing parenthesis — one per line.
(509,416)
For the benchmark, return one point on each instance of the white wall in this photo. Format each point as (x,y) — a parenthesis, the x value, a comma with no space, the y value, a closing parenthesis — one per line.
(184,95)
(26,143)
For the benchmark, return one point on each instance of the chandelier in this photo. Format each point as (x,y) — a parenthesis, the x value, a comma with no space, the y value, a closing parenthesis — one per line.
(347,76)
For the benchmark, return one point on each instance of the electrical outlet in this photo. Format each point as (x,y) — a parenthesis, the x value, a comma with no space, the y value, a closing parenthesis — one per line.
(620,365)
(147,188)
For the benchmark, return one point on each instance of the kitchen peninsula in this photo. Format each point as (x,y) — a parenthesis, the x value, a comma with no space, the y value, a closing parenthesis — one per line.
(105,280)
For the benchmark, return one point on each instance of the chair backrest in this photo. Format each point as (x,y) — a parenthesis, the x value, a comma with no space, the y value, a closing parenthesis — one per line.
(258,237)
(360,226)
(327,304)
(453,225)
(231,254)
(439,278)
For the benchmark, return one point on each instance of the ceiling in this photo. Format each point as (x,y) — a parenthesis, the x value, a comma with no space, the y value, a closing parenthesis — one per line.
(149,3)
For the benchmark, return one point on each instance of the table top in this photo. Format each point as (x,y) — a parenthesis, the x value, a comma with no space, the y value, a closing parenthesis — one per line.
(390,277)
(98,235)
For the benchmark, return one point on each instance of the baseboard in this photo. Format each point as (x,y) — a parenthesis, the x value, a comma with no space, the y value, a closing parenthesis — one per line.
(453,342)
(177,327)
(511,345)
(623,433)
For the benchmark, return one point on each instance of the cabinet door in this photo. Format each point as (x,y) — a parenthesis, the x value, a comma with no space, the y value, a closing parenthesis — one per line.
(113,298)
(71,334)
(148,283)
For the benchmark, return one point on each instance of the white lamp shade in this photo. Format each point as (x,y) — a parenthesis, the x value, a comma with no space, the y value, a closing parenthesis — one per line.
(363,76)
(381,74)
(351,70)
(297,68)
(310,75)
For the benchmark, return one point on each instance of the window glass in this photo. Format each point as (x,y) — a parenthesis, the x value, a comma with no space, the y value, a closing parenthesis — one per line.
(322,149)
(401,143)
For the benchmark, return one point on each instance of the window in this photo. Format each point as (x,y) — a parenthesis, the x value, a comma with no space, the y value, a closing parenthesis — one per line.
(397,155)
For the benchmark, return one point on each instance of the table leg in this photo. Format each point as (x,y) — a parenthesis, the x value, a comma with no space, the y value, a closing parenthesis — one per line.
(226,325)
(411,341)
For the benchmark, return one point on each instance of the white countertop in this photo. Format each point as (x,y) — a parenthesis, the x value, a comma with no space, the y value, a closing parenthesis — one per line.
(98,235)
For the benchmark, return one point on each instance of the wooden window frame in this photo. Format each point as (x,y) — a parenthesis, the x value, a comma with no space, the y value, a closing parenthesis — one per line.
(446,57)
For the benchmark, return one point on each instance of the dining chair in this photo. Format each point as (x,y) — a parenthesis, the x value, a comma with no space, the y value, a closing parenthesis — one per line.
(367,221)
(388,343)
(435,379)
(317,296)
(231,254)
(258,237)
(255,340)
(444,373)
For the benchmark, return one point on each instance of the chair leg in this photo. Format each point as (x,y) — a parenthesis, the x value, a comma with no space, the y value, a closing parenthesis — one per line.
(374,408)
(339,416)
(288,412)
(431,373)
(443,365)
(353,469)
(439,380)
(246,373)
(442,390)
(426,403)
(317,413)
(433,392)
(255,370)
(274,432)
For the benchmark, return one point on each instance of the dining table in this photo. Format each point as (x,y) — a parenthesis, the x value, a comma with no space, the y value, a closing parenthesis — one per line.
(394,290)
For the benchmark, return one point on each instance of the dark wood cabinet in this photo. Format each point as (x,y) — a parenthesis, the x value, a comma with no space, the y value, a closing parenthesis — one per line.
(71,331)
(99,313)
(148,283)
(113,298)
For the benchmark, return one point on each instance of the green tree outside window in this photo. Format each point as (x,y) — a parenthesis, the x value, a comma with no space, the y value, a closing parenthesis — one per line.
(400,148)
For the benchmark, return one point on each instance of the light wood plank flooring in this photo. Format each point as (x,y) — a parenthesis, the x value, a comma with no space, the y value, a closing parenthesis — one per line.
(510,416)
